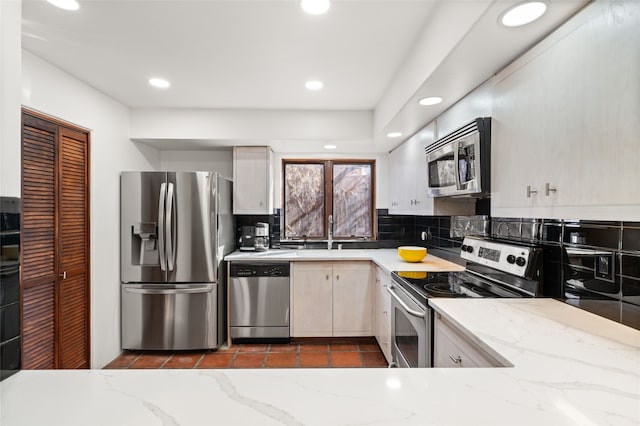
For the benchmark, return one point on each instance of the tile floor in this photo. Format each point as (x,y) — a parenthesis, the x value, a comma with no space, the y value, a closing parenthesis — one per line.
(300,353)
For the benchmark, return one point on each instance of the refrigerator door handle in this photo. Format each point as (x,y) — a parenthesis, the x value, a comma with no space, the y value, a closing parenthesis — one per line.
(171,252)
(161,222)
(169,291)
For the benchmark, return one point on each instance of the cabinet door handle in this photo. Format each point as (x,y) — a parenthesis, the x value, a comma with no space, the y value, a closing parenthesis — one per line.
(548,189)
(337,277)
(327,277)
(63,275)
(530,191)
(457,360)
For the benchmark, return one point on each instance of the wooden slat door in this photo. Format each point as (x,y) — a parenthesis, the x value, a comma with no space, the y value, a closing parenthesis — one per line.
(73,296)
(55,244)
(39,269)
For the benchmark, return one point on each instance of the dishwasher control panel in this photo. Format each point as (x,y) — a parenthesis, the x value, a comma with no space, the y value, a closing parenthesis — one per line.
(259,270)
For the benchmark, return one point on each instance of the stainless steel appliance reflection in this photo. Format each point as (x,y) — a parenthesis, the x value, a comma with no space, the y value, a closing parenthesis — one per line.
(259,300)
(176,229)
(459,163)
(494,269)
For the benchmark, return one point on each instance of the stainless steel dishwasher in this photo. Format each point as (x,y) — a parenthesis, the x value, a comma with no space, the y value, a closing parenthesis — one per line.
(259,300)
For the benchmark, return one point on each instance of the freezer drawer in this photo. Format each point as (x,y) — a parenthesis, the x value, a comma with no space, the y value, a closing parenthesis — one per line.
(170,316)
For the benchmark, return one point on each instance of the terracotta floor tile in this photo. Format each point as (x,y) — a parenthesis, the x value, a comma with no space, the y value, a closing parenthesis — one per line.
(374,359)
(216,360)
(150,361)
(283,348)
(317,359)
(281,360)
(123,361)
(346,359)
(252,348)
(313,347)
(249,360)
(183,360)
(350,347)
(369,347)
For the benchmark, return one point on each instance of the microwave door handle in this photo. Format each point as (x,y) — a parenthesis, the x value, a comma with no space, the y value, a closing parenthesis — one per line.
(455,145)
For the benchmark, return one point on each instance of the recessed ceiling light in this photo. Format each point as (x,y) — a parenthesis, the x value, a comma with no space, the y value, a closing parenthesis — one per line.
(523,13)
(159,82)
(394,135)
(313,85)
(330,147)
(315,7)
(65,4)
(431,100)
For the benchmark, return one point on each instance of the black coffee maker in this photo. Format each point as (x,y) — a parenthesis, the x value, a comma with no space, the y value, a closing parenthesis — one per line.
(247,240)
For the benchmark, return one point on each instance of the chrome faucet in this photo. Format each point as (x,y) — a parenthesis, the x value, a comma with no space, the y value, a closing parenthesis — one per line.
(330,240)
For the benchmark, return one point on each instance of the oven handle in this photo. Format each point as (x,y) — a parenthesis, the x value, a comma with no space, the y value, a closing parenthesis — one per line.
(404,305)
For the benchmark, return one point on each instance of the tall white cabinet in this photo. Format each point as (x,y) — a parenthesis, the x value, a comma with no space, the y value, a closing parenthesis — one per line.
(252,180)
(566,122)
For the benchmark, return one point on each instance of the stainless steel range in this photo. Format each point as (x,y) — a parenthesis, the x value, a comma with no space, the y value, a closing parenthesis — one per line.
(494,269)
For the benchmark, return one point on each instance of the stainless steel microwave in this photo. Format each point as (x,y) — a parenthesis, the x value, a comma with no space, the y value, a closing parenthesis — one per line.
(459,164)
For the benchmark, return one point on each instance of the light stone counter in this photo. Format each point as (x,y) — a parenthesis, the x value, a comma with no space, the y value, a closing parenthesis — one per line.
(570,368)
(387,259)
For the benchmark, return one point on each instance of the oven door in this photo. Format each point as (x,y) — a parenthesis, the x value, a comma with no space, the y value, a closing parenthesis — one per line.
(410,330)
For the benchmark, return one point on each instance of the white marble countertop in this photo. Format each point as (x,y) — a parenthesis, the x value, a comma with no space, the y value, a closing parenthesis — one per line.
(570,368)
(387,259)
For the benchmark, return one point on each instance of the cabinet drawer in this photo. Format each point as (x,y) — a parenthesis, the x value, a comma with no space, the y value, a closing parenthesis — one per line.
(453,349)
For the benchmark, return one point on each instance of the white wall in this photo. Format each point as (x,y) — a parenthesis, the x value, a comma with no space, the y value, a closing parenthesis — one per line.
(382,173)
(187,161)
(50,90)
(249,125)
(10,54)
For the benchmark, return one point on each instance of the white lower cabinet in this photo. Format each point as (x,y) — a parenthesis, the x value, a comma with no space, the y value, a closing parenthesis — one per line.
(453,349)
(382,312)
(331,299)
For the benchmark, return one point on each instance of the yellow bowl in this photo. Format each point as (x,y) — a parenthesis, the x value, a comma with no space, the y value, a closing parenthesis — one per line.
(412,253)
(413,274)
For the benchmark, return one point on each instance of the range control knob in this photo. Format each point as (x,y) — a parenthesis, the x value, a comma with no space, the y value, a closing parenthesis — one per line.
(521,261)
(464,247)
(469,249)
(511,259)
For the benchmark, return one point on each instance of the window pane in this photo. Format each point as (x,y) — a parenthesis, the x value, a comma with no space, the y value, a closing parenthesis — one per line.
(352,200)
(304,200)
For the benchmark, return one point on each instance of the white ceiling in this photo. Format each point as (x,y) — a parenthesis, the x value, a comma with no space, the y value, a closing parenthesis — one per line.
(239,54)
(229,54)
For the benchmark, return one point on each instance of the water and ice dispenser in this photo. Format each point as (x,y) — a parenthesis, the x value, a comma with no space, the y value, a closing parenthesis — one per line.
(144,244)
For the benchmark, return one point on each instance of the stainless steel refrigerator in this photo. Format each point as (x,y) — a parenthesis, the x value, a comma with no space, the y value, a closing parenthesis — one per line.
(176,227)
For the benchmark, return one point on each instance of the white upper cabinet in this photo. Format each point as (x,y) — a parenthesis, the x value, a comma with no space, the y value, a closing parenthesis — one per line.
(408,181)
(252,180)
(566,123)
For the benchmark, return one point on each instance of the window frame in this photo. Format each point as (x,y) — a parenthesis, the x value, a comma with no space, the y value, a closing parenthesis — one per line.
(328,194)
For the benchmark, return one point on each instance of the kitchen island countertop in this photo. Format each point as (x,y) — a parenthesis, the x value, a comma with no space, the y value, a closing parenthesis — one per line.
(570,368)
(387,259)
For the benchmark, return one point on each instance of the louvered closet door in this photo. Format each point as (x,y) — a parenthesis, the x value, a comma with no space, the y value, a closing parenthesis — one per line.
(55,265)
(73,312)
(38,243)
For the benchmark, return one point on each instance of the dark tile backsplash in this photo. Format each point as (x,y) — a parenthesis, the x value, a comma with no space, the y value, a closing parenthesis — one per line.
(594,265)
